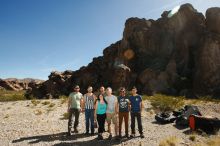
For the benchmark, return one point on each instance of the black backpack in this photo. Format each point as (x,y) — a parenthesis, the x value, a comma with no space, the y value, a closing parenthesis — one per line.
(183,117)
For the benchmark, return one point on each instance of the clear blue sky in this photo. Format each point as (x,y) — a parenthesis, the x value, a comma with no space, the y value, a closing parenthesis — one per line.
(38,36)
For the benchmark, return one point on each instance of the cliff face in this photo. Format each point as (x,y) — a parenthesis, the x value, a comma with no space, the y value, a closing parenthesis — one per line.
(177,54)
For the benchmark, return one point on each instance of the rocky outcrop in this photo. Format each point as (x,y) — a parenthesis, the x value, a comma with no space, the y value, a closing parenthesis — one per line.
(17,84)
(177,54)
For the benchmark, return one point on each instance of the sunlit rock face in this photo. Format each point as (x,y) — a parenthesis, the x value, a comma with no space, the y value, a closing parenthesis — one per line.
(177,54)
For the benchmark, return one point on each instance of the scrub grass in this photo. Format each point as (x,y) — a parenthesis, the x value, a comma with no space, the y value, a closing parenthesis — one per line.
(35,102)
(38,112)
(165,103)
(65,116)
(6,95)
(171,141)
(46,103)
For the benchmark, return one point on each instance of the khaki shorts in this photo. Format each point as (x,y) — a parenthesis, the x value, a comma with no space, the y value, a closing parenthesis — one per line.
(111,117)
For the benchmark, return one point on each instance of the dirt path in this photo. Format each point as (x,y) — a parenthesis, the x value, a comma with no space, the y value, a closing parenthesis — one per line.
(22,123)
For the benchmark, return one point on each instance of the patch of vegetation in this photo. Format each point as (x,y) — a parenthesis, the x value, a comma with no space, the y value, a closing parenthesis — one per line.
(51,105)
(6,95)
(210,142)
(6,116)
(65,116)
(165,103)
(35,102)
(214,142)
(192,137)
(49,110)
(45,102)
(63,99)
(208,99)
(171,141)
(38,112)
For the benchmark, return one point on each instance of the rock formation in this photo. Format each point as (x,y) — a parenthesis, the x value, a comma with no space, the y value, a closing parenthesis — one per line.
(178,54)
(17,84)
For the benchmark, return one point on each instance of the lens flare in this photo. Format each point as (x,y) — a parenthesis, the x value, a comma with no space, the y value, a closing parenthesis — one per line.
(129,54)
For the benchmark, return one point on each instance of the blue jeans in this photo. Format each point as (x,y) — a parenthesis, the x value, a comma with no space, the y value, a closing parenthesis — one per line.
(89,116)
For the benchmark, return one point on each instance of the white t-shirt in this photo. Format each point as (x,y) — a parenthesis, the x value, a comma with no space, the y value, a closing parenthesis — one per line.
(111,100)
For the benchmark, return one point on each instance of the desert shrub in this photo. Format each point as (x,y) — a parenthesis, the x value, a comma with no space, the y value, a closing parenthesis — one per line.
(63,99)
(38,112)
(35,102)
(214,141)
(6,116)
(65,116)
(171,141)
(192,137)
(51,105)
(45,102)
(208,99)
(6,95)
(164,102)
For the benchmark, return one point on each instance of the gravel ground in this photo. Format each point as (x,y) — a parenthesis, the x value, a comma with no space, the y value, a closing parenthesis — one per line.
(22,123)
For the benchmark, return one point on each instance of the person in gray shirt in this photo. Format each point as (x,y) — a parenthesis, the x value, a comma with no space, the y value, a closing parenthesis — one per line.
(111,112)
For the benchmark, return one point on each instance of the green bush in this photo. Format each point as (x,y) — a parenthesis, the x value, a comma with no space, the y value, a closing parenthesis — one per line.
(63,99)
(192,137)
(35,102)
(6,95)
(165,103)
(45,102)
(51,105)
(65,116)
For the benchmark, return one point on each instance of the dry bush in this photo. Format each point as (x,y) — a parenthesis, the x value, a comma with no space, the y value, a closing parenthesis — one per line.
(45,102)
(164,102)
(38,112)
(171,141)
(6,95)
(65,116)
(35,102)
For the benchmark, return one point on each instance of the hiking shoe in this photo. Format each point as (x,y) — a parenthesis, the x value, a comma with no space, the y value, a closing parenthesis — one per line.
(127,136)
(92,133)
(76,131)
(100,137)
(68,133)
(87,133)
(110,137)
(142,136)
(132,135)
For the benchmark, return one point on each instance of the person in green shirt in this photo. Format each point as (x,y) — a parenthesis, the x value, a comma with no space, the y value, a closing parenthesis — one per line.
(74,108)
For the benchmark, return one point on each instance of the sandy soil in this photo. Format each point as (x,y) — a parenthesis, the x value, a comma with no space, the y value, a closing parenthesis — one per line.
(22,123)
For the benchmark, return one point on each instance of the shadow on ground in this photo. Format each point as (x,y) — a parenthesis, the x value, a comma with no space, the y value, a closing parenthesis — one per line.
(67,140)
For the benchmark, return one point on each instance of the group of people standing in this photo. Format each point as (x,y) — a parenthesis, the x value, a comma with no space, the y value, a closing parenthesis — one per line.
(106,107)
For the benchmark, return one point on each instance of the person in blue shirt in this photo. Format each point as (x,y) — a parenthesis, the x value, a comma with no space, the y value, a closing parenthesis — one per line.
(136,110)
